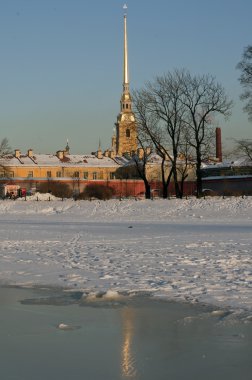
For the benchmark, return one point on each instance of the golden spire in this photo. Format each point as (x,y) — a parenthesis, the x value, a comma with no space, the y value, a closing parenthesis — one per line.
(125,71)
(126,98)
(126,129)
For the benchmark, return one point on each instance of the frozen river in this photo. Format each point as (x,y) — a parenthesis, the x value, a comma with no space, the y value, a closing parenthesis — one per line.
(153,290)
(191,253)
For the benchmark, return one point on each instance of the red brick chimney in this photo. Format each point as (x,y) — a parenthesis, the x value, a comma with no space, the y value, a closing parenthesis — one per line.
(218,144)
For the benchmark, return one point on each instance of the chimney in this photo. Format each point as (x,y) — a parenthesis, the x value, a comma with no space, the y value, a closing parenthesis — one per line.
(113,142)
(218,144)
(17,153)
(106,153)
(148,150)
(30,153)
(140,153)
(60,154)
(99,154)
(111,154)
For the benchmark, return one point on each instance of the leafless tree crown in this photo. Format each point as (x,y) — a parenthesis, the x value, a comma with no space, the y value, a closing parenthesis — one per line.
(245,67)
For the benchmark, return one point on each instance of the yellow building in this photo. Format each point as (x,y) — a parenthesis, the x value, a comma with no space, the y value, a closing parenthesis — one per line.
(59,165)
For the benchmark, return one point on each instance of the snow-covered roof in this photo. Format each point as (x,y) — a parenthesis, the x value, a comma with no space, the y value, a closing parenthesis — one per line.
(239,162)
(121,160)
(243,161)
(70,160)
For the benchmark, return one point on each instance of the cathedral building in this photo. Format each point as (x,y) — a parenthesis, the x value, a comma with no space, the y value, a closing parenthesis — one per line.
(126,128)
(31,169)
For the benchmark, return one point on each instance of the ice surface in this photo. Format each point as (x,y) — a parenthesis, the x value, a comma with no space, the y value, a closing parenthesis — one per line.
(191,250)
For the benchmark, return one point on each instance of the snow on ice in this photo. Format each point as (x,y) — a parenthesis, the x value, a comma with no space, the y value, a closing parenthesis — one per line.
(195,250)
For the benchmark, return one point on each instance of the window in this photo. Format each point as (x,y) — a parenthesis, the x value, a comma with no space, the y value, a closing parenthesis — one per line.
(94,175)
(127,106)
(112,175)
(58,174)
(48,174)
(76,174)
(85,175)
(30,174)
(10,174)
(127,132)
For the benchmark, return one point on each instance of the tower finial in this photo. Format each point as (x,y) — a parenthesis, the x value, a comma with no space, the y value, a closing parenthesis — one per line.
(125,7)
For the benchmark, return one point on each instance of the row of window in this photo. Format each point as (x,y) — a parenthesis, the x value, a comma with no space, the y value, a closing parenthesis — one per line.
(85,175)
(6,174)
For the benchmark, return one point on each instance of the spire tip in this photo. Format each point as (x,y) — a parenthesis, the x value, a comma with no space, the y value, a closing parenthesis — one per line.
(125,7)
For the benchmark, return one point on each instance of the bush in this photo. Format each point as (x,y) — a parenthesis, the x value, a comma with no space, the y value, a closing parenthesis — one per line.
(58,189)
(97,191)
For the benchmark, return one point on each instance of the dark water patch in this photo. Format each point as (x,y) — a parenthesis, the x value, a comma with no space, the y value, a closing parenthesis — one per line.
(142,338)
(59,299)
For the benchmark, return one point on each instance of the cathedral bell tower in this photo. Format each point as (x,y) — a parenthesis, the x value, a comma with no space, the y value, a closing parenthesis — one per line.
(126,130)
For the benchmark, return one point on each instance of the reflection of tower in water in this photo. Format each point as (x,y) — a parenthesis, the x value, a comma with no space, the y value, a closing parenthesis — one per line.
(128,361)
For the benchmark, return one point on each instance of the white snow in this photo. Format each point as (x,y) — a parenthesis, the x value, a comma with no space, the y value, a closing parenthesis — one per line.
(193,250)
(51,160)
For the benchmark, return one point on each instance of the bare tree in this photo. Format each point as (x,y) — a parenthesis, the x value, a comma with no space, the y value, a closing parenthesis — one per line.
(144,122)
(203,98)
(165,101)
(141,161)
(185,162)
(152,108)
(179,107)
(245,66)
(244,147)
(5,149)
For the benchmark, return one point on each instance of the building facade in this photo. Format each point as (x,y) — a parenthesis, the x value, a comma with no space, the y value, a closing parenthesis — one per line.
(229,178)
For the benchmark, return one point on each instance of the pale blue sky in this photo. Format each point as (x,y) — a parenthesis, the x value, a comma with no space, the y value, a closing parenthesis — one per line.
(61,63)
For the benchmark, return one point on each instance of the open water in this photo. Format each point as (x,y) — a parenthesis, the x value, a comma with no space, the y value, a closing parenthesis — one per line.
(48,335)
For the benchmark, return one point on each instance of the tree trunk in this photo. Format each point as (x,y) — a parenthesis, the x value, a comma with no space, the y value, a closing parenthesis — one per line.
(176,184)
(167,183)
(182,184)
(165,191)
(198,174)
(147,190)
(164,182)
